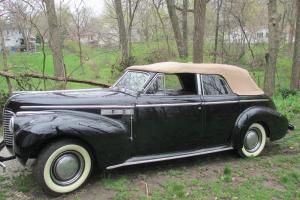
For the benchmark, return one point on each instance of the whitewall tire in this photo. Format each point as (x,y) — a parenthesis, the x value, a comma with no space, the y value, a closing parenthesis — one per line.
(63,167)
(254,141)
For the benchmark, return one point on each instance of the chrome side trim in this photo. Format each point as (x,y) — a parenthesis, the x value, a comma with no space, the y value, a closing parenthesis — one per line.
(254,100)
(235,101)
(219,102)
(168,105)
(117,111)
(23,113)
(78,106)
(52,91)
(142,105)
(180,155)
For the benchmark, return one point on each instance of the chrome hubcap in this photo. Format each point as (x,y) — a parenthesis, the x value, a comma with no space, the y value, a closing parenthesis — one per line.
(252,140)
(67,168)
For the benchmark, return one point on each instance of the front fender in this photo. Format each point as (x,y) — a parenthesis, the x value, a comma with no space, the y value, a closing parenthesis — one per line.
(34,131)
(275,123)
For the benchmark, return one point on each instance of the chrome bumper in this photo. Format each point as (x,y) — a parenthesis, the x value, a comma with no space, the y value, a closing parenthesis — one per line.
(3,159)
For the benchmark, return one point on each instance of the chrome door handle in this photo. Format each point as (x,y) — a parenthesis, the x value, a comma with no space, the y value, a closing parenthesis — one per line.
(199,108)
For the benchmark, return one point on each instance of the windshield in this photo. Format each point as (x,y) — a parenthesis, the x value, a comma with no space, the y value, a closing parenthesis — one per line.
(132,80)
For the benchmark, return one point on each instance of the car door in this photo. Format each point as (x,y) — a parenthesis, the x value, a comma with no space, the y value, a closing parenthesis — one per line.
(221,109)
(168,121)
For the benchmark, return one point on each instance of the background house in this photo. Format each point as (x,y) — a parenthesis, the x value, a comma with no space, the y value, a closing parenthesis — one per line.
(15,41)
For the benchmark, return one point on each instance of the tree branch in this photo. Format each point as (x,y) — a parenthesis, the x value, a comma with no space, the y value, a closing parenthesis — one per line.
(181,9)
(40,76)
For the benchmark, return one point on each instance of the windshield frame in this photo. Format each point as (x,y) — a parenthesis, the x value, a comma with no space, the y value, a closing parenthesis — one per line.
(127,71)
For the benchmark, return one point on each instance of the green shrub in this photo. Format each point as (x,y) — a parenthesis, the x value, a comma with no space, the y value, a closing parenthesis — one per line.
(286,92)
(288,105)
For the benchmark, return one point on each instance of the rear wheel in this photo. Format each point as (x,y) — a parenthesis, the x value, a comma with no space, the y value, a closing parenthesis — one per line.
(254,141)
(63,167)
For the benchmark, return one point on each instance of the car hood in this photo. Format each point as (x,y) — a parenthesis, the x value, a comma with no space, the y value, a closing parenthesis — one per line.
(69,98)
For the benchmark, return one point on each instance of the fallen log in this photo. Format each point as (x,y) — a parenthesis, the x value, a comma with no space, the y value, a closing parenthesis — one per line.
(40,76)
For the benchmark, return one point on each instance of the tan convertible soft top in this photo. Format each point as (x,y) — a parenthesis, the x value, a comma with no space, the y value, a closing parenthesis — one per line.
(238,78)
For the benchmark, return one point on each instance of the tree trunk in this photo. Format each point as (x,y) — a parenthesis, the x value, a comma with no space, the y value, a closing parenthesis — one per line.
(80,52)
(219,5)
(199,20)
(4,57)
(269,85)
(122,30)
(185,26)
(176,28)
(55,38)
(295,76)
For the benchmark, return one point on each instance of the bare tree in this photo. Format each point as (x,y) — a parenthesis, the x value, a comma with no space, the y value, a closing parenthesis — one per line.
(55,40)
(176,28)
(271,57)
(199,20)
(4,56)
(80,18)
(295,76)
(122,30)
(36,6)
(164,29)
(132,7)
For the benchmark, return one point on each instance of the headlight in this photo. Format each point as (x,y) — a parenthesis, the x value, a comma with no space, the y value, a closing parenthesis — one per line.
(11,124)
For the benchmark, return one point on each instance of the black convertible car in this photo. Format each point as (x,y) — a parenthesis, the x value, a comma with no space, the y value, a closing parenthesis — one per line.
(152,113)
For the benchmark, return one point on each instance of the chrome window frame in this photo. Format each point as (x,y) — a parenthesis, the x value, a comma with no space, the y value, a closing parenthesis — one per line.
(152,81)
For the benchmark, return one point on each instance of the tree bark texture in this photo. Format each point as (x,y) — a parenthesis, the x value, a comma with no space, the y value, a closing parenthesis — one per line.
(185,26)
(55,39)
(295,76)
(122,30)
(219,5)
(269,84)
(176,28)
(199,20)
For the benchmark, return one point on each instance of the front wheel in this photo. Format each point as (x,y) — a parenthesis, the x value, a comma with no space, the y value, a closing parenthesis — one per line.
(254,141)
(63,167)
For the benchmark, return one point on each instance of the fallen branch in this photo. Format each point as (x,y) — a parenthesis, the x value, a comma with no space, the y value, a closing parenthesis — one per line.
(40,76)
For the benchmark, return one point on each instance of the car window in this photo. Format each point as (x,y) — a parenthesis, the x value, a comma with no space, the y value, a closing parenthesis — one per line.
(214,85)
(173,85)
(172,82)
(133,80)
(157,86)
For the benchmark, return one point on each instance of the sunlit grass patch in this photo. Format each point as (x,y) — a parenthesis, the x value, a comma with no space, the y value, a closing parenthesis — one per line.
(118,184)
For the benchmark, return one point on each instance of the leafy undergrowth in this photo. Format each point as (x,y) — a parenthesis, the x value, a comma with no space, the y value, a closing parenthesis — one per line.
(288,104)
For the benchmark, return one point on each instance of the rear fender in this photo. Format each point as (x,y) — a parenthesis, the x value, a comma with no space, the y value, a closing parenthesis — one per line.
(276,124)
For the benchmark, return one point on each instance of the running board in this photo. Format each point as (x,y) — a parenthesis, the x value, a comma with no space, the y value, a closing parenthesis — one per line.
(169,156)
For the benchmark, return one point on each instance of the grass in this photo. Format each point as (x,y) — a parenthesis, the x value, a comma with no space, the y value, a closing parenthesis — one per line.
(23,183)
(118,184)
